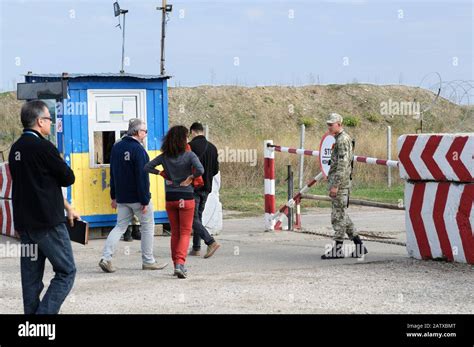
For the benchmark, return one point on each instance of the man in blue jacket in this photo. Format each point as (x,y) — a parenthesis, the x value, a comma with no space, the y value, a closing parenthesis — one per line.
(130,194)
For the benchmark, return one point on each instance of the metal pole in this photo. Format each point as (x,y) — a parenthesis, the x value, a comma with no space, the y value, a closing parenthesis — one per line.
(389,153)
(163,34)
(290,196)
(355,202)
(301,167)
(123,43)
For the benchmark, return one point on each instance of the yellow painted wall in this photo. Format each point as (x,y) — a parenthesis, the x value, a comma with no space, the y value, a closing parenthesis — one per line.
(91,191)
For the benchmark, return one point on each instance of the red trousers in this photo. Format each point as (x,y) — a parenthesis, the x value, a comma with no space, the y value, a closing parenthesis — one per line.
(180,214)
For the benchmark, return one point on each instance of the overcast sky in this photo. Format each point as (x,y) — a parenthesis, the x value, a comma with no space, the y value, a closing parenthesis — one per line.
(258,42)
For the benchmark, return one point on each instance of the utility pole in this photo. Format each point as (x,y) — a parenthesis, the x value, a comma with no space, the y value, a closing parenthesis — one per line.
(124,12)
(164,9)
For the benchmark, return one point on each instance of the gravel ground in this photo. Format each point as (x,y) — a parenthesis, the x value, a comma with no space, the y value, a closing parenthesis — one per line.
(258,272)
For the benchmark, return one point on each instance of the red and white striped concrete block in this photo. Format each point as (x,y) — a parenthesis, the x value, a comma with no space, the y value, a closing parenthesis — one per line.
(269,179)
(439,218)
(436,157)
(6,218)
(5,182)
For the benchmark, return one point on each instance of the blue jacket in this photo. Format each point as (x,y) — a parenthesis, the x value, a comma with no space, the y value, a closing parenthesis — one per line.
(129,183)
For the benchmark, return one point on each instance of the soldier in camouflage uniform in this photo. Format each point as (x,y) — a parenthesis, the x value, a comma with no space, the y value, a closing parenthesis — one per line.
(339,182)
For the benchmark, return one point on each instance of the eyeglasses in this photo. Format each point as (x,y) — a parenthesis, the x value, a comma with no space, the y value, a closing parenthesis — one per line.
(146,131)
(48,118)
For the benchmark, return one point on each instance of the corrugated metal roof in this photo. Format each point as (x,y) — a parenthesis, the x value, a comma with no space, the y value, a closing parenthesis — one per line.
(105,75)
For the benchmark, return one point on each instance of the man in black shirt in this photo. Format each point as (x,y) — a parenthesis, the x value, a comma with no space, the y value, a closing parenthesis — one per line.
(207,154)
(38,173)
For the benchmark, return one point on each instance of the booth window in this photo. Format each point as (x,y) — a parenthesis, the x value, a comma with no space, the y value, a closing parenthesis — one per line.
(109,114)
(103,142)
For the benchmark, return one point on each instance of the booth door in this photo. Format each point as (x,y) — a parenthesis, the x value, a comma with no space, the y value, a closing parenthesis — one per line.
(55,124)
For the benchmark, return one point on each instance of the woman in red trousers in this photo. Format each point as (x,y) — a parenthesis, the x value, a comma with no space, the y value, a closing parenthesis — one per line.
(181,168)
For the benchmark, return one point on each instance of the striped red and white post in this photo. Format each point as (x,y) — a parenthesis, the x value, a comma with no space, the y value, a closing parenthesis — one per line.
(269,183)
(6,207)
(439,220)
(6,218)
(5,182)
(297,223)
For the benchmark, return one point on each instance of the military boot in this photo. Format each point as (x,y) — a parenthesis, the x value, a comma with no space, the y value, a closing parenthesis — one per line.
(336,252)
(360,249)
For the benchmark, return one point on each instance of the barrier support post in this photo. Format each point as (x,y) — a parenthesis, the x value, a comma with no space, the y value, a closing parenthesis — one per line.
(290,196)
(269,184)
(389,155)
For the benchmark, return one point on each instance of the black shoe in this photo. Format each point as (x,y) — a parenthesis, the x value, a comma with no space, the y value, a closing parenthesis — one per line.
(166,229)
(180,271)
(336,252)
(360,249)
(136,233)
(127,237)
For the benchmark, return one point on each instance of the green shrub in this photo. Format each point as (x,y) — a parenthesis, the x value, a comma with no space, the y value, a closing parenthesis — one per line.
(268,99)
(351,121)
(307,121)
(374,118)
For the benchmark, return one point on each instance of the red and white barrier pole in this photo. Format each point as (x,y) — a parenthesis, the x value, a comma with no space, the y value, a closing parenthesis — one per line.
(290,203)
(272,220)
(375,161)
(296,151)
(358,158)
(269,179)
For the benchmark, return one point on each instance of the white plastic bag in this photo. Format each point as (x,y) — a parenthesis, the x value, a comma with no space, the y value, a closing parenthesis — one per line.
(212,214)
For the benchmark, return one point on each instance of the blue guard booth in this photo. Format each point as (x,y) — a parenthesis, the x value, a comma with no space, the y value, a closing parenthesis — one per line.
(90,112)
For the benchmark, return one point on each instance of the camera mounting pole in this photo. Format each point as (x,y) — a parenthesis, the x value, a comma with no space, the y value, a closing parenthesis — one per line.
(118,11)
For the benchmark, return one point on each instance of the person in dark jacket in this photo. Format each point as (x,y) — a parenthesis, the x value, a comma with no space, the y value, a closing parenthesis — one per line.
(130,194)
(38,173)
(181,168)
(207,154)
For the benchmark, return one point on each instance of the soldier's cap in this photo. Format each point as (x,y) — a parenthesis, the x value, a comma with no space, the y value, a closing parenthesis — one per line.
(334,118)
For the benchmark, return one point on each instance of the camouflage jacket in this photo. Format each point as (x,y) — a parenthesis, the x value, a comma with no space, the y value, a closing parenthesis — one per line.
(341,158)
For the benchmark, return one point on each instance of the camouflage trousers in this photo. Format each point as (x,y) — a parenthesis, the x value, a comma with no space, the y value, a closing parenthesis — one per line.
(341,222)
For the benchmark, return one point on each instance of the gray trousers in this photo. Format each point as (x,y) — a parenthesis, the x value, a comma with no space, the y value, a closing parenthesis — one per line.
(125,214)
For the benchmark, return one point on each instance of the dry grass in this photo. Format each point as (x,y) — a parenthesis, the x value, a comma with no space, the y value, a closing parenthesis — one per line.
(10,126)
(242,118)
(243,175)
